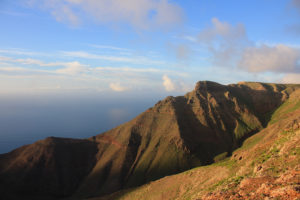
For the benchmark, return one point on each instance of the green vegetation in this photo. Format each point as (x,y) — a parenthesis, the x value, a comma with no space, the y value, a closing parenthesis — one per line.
(241,129)
(220,183)
(226,183)
(287,107)
(227,162)
(263,158)
(220,157)
(252,141)
(237,179)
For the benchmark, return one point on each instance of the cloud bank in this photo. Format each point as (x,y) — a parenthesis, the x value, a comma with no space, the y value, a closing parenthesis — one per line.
(168,83)
(117,87)
(29,74)
(279,58)
(140,14)
(229,46)
(224,41)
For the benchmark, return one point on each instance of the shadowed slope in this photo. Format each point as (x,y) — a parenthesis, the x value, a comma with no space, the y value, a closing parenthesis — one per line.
(50,167)
(267,166)
(177,134)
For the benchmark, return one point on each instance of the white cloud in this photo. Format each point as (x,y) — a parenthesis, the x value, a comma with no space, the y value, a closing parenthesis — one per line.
(189,38)
(168,83)
(291,78)
(65,13)
(140,14)
(76,67)
(129,69)
(133,60)
(27,61)
(117,87)
(167,14)
(109,47)
(222,30)
(40,74)
(73,68)
(15,69)
(224,41)
(70,68)
(126,72)
(11,70)
(17,51)
(230,46)
(279,58)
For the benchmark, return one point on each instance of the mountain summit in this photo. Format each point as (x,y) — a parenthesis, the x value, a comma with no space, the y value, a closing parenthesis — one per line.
(178,133)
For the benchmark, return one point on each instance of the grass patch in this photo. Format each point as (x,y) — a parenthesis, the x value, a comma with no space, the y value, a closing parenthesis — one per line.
(215,186)
(250,142)
(237,179)
(295,107)
(263,158)
(220,157)
(286,107)
(275,150)
(282,140)
(227,162)
(227,182)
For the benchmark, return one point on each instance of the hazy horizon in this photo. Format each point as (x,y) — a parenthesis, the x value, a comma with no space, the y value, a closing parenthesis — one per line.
(75,68)
(36,117)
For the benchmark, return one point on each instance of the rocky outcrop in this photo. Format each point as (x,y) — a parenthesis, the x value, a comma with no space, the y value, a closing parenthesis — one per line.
(177,134)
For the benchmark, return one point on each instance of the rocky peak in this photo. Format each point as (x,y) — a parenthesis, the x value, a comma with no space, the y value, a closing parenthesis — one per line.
(208,86)
(178,133)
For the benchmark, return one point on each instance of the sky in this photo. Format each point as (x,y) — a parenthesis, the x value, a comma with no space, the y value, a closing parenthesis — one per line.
(132,53)
(145,45)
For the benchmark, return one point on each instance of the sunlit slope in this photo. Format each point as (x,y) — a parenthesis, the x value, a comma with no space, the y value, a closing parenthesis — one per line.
(177,134)
(267,165)
(180,133)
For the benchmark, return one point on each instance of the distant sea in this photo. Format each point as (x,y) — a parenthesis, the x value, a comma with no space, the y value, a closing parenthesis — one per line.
(25,119)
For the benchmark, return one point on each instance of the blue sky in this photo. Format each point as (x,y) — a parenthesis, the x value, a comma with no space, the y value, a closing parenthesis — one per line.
(145,45)
(76,68)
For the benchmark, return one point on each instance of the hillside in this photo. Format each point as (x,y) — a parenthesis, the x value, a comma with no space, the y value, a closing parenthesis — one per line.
(266,166)
(179,133)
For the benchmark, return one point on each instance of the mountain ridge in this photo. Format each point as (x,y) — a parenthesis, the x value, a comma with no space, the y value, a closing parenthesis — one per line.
(266,166)
(177,134)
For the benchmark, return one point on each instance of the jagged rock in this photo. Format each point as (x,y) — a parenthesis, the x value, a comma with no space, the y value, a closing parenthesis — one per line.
(177,134)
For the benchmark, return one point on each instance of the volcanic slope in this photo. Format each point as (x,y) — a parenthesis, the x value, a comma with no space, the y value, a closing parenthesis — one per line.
(266,166)
(177,134)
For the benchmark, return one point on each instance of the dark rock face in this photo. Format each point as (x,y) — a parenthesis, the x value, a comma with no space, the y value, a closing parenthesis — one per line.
(177,134)
(51,167)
